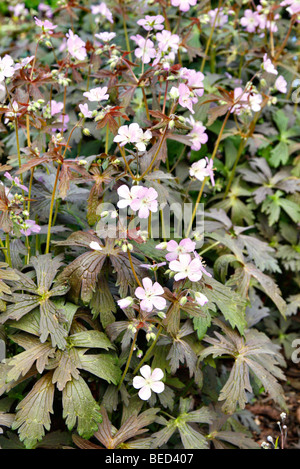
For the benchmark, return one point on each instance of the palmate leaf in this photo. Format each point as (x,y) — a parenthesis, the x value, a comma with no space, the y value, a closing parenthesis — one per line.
(35,353)
(51,320)
(80,407)
(102,304)
(230,303)
(134,426)
(190,437)
(6,274)
(84,272)
(33,412)
(255,353)
(68,362)
(102,365)
(181,351)
(268,286)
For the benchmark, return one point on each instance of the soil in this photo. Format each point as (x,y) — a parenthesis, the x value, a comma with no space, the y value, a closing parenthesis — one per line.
(267,414)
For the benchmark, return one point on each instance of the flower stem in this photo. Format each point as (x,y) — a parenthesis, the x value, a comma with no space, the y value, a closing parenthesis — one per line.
(7,244)
(133,269)
(204,181)
(128,360)
(51,209)
(147,354)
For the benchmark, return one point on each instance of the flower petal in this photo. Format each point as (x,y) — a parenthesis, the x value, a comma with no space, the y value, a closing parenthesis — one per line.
(138,382)
(145,393)
(146,371)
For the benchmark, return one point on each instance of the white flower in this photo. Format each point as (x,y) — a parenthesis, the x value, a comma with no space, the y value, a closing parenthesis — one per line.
(281,84)
(133,134)
(97,94)
(149,381)
(6,67)
(125,302)
(95,246)
(105,36)
(268,66)
(201,298)
(84,109)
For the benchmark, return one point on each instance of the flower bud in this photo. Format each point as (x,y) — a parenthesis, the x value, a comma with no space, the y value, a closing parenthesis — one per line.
(86,132)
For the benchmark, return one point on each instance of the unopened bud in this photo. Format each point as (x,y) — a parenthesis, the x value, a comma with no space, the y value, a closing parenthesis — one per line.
(86,132)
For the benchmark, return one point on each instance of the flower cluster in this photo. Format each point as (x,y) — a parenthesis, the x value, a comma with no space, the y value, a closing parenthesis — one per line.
(140,199)
(133,134)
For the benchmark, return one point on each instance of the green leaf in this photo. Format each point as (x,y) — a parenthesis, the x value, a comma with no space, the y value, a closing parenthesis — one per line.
(230,303)
(91,339)
(279,155)
(80,407)
(33,412)
(103,365)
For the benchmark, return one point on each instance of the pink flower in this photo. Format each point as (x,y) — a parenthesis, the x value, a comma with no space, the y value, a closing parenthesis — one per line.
(97,94)
(184,5)
(127,195)
(105,36)
(146,50)
(268,66)
(46,9)
(56,108)
(197,135)
(138,198)
(18,10)
(221,20)
(28,227)
(186,267)
(153,267)
(84,109)
(149,381)
(246,101)
(150,295)
(166,40)
(293,6)
(133,134)
(186,98)
(145,202)
(281,84)
(46,25)
(125,302)
(6,67)
(185,246)
(152,22)
(202,169)
(194,80)
(76,46)
(201,298)
(15,181)
(255,100)
(250,20)
(102,10)
(24,62)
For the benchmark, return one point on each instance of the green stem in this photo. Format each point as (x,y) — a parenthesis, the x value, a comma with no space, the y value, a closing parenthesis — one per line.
(210,37)
(204,182)
(51,209)
(128,360)
(7,244)
(149,350)
(126,33)
(4,251)
(232,174)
